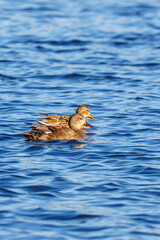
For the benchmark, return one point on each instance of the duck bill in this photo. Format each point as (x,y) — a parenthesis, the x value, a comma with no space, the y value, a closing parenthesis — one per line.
(90,116)
(86,125)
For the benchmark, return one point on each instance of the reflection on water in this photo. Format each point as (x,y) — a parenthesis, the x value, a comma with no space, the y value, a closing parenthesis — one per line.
(61,144)
(78,146)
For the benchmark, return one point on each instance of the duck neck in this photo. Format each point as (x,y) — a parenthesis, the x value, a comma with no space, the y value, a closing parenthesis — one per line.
(81,134)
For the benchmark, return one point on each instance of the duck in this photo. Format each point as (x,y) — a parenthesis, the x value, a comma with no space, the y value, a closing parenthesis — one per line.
(60,121)
(76,130)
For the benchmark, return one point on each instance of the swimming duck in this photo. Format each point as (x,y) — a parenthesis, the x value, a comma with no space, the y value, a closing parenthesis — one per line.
(63,120)
(77,124)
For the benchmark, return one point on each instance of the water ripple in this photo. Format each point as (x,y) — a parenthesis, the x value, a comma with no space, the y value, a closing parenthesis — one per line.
(55,57)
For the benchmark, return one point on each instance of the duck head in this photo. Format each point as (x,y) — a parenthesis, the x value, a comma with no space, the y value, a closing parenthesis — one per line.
(77,122)
(84,110)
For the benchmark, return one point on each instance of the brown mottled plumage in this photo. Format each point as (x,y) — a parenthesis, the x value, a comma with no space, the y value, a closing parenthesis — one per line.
(75,130)
(63,120)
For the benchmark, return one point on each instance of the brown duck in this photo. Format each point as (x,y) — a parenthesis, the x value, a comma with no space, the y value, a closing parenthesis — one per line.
(77,124)
(60,121)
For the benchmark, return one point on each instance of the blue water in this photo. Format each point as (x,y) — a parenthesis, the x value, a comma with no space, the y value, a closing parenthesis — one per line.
(55,56)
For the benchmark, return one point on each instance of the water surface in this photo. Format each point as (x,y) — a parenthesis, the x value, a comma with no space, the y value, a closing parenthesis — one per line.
(55,56)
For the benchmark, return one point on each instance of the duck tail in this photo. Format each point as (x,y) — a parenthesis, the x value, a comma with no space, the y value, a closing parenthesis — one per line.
(27,134)
(44,114)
